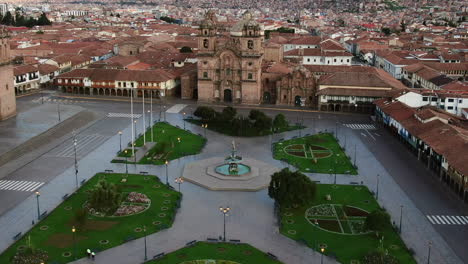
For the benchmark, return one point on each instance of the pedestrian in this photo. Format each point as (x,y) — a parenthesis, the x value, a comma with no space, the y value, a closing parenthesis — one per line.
(88,251)
(92,255)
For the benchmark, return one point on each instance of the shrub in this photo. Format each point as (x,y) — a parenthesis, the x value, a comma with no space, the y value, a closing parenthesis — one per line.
(279,122)
(206,113)
(377,220)
(379,257)
(288,188)
(105,197)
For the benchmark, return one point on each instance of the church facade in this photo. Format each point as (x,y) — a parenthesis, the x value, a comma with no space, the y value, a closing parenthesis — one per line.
(7,89)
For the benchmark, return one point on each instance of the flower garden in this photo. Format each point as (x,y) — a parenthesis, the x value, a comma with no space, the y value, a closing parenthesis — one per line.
(319,153)
(135,204)
(216,253)
(335,220)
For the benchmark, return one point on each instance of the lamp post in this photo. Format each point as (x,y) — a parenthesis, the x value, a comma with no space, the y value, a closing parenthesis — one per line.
(151,115)
(135,127)
(167,174)
(354,155)
(330,172)
(131,122)
(429,253)
(205,126)
(224,211)
(377,188)
(58,111)
(149,126)
(146,250)
(164,108)
(38,208)
(183,118)
(178,144)
(76,162)
(126,164)
(401,216)
(120,140)
(322,250)
(144,121)
(74,241)
(334,170)
(179,181)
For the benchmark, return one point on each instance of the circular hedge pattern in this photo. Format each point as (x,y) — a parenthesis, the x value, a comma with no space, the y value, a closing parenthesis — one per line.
(156,222)
(162,215)
(292,232)
(66,254)
(156,186)
(104,242)
(164,208)
(68,208)
(44,227)
(137,230)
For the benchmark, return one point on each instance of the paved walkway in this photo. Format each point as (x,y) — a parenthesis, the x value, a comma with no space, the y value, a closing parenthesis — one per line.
(251,219)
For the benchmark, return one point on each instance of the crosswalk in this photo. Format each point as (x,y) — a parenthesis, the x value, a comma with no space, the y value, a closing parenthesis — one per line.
(361,126)
(447,219)
(176,108)
(84,145)
(22,186)
(125,115)
(57,101)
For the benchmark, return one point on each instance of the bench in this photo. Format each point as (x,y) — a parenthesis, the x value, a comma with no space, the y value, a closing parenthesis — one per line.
(83,181)
(143,172)
(234,240)
(191,243)
(294,137)
(43,214)
(307,134)
(212,239)
(108,171)
(129,238)
(160,255)
(316,181)
(272,256)
(65,196)
(178,126)
(17,236)
(200,135)
(354,183)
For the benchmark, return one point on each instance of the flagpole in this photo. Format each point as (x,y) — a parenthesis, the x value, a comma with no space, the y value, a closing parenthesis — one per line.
(144,123)
(131,115)
(151,117)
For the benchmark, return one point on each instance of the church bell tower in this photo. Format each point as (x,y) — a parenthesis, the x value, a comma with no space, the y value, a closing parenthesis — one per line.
(7,90)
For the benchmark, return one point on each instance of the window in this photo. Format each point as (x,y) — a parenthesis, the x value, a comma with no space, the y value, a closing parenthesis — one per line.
(308,60)
(205,43)
(205,62)
(250,76)
(250,63)
(347,60)
(315,60)
(450,100)
(205,74)
(341,60)
(250,44)
(228,71)
(425,99)
(449,107)
(205,32)
(334,60)
(6,86)
(460,101)
(433,99)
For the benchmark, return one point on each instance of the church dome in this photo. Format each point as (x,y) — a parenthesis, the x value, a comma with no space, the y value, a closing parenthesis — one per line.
(247,22)
(209,20)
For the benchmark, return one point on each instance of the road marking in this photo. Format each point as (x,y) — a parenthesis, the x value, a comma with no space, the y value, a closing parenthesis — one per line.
(176,108)
(363,134)
(22,186)
(83,145)
(370,134)
(125,115)
(360,126)
(447,219)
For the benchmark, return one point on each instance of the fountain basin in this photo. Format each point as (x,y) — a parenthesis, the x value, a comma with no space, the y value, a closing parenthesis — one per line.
(241,170)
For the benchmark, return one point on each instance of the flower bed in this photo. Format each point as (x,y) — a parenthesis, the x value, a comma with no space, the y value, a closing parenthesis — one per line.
(135,197)
(320,210)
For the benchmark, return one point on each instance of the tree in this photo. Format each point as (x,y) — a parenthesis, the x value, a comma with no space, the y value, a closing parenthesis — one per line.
(118,15)
(8,19)
(255,114)
(205,113)
(43,20)
(186,49)
(377,220)
(288,188)
(280,122)
(229,113)
(386,31)
(105,197)
(379,257)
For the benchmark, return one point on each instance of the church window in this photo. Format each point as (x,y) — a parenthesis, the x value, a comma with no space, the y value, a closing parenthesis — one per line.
(334,60)
(250,44)
(250,33)
(250,76)
(228,71)
(205,43)
(205,32)
(205,74)
(250,63)
(205,62)
(6,86)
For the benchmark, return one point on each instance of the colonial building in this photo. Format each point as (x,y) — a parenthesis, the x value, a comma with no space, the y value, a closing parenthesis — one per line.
(229,67)
(26,79)
(7,91)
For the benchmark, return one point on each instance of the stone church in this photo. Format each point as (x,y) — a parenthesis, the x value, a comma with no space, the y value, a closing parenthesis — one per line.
(231,67)
(7,89)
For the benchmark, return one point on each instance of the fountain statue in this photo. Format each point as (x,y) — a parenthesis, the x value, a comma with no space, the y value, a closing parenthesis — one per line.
(234,165)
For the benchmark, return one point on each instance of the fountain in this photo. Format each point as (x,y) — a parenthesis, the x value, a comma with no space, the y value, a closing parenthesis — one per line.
(234,167)
(233,173)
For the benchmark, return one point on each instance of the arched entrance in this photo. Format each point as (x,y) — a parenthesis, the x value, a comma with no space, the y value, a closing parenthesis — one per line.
(227,95)
(195,94)
(297,100)
(266,98)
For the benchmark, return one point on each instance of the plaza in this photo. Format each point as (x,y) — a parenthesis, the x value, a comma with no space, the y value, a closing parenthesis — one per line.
(252,219)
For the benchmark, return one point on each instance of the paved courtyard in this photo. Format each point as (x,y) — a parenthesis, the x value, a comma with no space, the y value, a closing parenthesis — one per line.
(251,219)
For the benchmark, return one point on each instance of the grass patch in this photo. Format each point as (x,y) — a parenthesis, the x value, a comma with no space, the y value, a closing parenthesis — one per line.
(226,129)
(58,238)
(168,135)
(122,154)
(325,156)
(222,253)
(345,247)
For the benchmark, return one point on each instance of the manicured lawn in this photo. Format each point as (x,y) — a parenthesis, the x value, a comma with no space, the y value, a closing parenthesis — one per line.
(324,156)
(164,133)
(226,129)
(223,253)
(125,155)
(340,223)
(57,239)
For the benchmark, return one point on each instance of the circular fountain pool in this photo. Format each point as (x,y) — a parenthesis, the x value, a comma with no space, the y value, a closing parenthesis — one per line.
(224,170)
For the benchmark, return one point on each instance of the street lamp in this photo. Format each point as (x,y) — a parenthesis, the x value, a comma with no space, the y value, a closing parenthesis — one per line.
(146,250)
(120,140)
(178,145)
(330,171)
(149,125)
(164,113)
(377,189)
(74,241)
(401,215)
(38,210)
(334,168)
(126,164)
(205,126)
(167,174)
(179,181)
(429,253)
(134,127)
(322,250)
(58,111)
(224,211)
(183,118)
(144,121)
(76,162)
(354,155)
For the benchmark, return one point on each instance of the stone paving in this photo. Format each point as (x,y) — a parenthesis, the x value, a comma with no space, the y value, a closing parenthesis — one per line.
(251,219)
